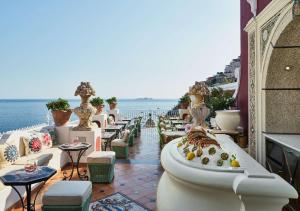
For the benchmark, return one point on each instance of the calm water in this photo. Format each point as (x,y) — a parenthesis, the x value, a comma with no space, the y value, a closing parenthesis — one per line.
(16,114)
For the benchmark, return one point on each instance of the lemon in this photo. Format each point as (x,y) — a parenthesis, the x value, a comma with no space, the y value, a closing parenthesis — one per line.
(179,144)
(235,163)
(190,156)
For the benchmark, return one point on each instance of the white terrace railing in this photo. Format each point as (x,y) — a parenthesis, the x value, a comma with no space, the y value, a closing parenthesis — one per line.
(144,113)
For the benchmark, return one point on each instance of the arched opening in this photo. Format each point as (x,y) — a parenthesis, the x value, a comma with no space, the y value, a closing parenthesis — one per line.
(282,85)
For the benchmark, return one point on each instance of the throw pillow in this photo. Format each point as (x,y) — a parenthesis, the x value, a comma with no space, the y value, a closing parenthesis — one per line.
(8,154)
(32,144)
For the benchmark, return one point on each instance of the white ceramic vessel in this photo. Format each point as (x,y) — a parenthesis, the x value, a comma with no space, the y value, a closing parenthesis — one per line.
(228,119)
(187,186)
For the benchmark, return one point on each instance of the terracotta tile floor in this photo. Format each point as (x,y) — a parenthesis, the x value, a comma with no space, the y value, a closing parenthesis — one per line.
(136,177)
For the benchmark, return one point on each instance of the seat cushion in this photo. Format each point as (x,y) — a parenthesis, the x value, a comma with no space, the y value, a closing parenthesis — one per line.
(68,193)
(41,159)
(101,157)
(119,143)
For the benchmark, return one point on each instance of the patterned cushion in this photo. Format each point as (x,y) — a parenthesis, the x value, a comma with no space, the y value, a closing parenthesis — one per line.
(32,144)
(8,154)
(51,131)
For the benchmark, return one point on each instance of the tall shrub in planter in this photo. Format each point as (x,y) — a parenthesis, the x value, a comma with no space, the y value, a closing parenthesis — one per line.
(184,101)
(60,110)
(112,102)
(98,103)
(219,100)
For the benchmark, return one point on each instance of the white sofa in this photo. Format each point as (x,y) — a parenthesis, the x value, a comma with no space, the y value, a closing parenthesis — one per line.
(52,157)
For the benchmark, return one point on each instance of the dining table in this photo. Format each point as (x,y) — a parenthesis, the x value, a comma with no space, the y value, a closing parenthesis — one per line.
(108,137)
(171,135)
(114,128)
(123,123)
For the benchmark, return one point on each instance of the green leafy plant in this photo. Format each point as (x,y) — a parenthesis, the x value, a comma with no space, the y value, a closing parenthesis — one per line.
(219,100)
(97,101)
(111,100)
(59,104)
(184,101)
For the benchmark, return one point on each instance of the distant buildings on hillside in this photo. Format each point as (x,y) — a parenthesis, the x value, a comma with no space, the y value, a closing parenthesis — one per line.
(230,74)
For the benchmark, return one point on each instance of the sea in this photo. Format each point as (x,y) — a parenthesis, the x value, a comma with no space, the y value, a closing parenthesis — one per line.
(20,113)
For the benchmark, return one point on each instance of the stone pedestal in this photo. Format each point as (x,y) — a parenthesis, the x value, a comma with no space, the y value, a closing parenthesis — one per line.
(102,118)
(63,132)
(92,137)
(116,113)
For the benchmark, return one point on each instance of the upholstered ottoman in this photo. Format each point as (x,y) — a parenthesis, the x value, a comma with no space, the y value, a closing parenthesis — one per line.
(120,147)
(101,166)
(68,196)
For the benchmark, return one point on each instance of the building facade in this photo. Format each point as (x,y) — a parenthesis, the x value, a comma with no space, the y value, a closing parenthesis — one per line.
(269,95)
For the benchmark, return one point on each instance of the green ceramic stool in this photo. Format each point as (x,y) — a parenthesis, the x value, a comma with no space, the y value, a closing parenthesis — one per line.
(68,196)
(101,165)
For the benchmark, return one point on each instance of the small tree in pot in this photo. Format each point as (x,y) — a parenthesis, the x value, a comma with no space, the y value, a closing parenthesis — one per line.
(60,110)
(184,101)
(98,103)
(112,102)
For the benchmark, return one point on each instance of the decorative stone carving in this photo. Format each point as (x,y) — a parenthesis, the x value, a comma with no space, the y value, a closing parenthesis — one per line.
(86,111)
(198,108)
(266,31)
(252,100)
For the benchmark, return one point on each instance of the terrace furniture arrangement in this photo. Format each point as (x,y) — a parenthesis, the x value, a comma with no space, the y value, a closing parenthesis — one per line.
(101,166)
(68,196)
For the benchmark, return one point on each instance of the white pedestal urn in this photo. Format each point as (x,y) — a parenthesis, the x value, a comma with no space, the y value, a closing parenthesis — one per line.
(198,109)
(228,119)
(86,111)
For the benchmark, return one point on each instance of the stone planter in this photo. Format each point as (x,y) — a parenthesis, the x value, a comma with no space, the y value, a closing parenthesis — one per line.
(99,109)
(112,106)
(61,117)
(228,119)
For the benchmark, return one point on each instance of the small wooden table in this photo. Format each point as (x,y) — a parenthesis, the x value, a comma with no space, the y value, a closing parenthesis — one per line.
(108,137)
(23,178)
(80,148)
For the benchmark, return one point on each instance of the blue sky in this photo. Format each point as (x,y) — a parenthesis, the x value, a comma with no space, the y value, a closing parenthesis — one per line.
(125,48)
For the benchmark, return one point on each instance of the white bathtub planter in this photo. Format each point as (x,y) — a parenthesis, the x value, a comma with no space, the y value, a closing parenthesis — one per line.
(228,119)
(187,185)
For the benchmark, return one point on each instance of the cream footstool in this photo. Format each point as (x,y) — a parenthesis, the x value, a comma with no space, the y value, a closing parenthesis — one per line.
(68,196)
(101,165)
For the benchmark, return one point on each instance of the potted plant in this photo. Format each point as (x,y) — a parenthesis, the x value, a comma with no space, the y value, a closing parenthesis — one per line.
(112,102)
(184,101)
(60,110)
(98,103)
(220,103)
